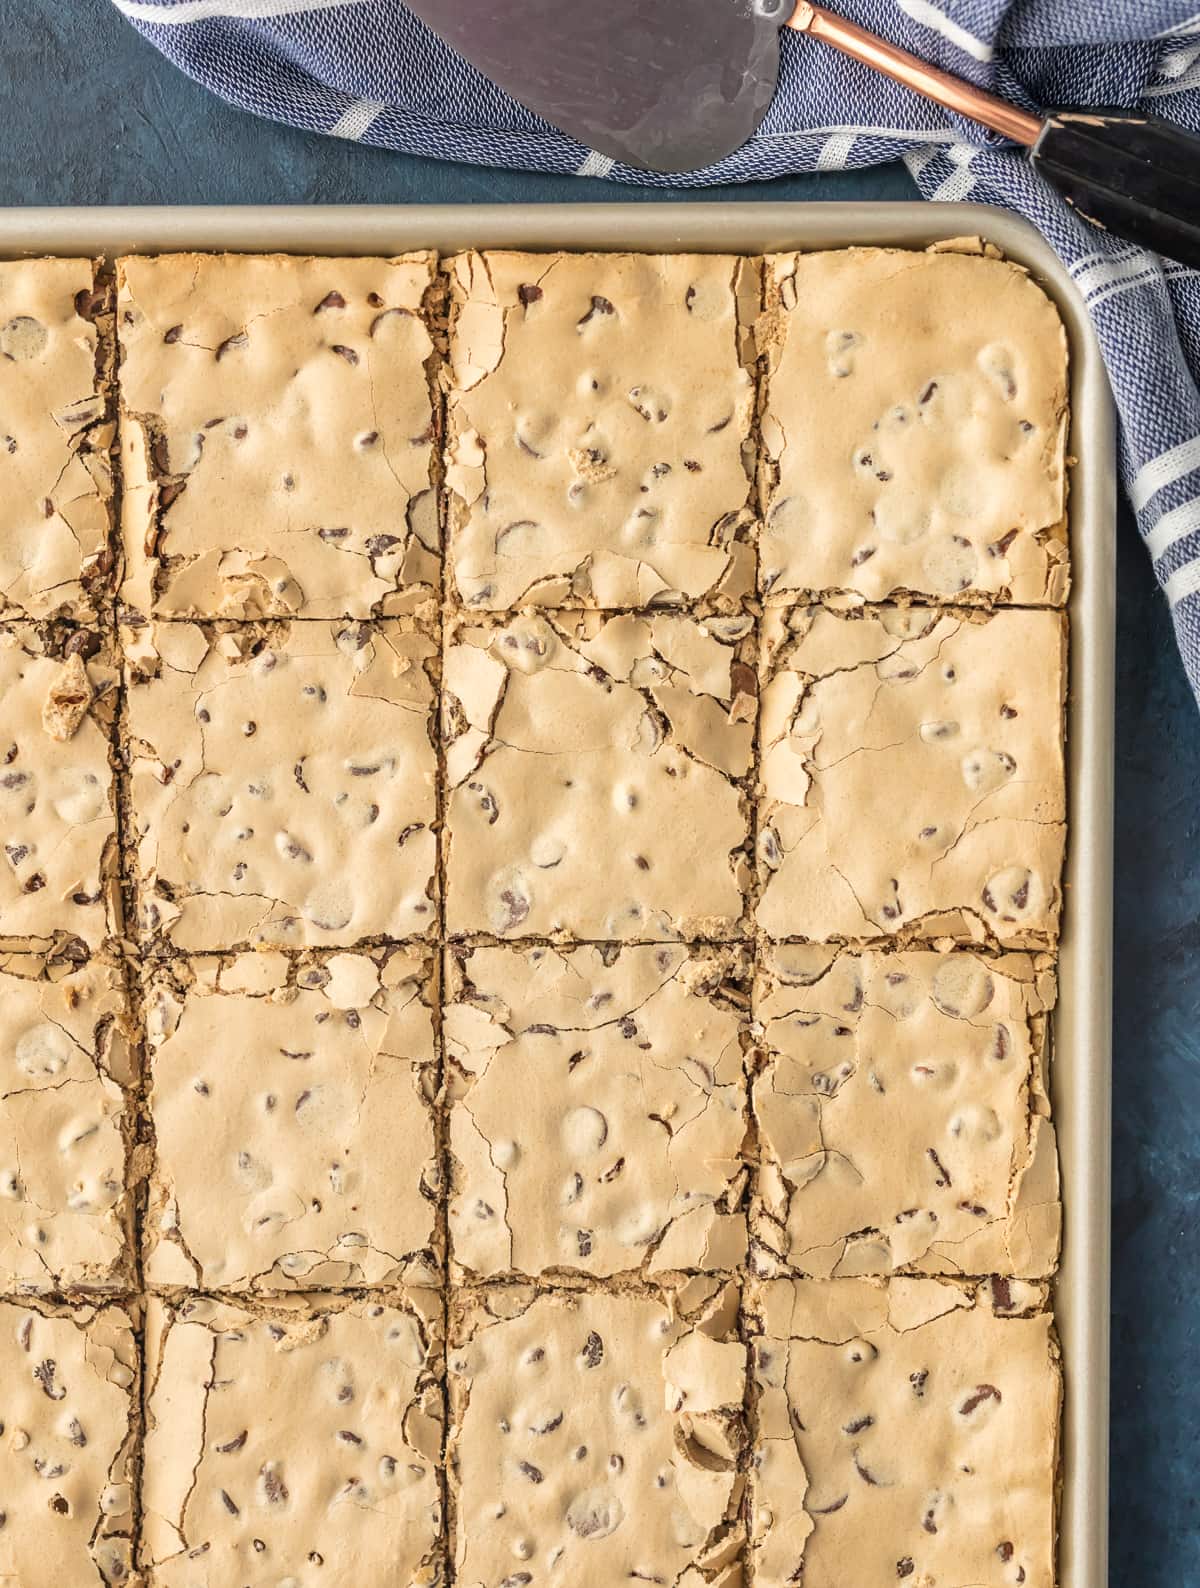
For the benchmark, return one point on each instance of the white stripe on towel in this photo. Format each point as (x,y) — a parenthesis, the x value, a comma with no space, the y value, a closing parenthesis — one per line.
(1165,469)
(1172,527)
(960,183)
(928,15)
(595,165)
(355,121)
(198,10)
(835,151)
(1183,582)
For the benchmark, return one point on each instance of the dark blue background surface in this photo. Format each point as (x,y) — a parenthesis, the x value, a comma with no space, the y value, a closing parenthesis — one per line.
(92,116)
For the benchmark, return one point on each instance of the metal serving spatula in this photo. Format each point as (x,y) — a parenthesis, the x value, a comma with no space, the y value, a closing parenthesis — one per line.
(673,85)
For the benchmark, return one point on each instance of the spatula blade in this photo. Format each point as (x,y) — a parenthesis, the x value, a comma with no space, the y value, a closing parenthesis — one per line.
(667,85)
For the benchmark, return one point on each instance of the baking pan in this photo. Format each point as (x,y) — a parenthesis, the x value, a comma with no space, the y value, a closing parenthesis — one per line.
(1081,1072)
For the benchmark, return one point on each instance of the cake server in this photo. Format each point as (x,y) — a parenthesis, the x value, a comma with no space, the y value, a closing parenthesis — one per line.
(674,85)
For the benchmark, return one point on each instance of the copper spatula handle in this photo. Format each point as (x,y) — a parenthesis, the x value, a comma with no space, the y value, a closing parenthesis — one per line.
(1124,171)
(953,92)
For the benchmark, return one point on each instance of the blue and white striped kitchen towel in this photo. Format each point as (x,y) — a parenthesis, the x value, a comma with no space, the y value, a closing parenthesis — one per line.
(369,70)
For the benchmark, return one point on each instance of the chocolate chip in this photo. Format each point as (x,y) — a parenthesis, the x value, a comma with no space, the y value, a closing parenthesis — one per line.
(44,1372)
(983,1392)
(334,300)
(943,1174)
(345,352)
(231,344)
(905,1567)
(593,1350)
(529,293)
(173,334)
(273,1487)
(534,1474)
(599,306)
(235,1443)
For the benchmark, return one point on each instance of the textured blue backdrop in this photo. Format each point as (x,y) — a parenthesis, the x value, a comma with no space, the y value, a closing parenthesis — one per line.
(94,117)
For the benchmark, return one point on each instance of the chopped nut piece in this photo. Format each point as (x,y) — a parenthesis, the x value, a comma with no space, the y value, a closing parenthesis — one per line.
(68,699)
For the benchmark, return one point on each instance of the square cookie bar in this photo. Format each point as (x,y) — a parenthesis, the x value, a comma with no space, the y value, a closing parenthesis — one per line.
(908,1433)
(70,1378)
(55,438)
(599,1108)
(292,1102)
(58,877)
(65,1053)
(593,761)
(277,435)
(912,774)
(902,1111)
(914,428)
(596,1437)
(283,783)
(600,411)
(293,1444)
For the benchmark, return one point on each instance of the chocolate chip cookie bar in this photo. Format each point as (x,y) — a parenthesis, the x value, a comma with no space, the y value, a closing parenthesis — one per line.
(589,759)
(907,1433)
(293,1443)
(532,845)
(912,775)
(913,428)
(70,1377)
(599,1117)
(58,878)
(902,1114)
(65,1196)
(596,1437)
(282,783)
(277,435)
(292,1104)
(55,438)
(600,410)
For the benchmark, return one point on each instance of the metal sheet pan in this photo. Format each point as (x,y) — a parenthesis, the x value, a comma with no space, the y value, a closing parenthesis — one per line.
(1081,1075)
